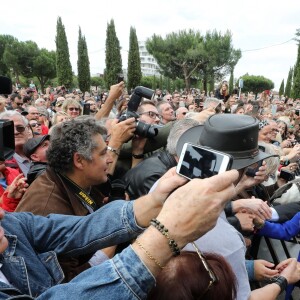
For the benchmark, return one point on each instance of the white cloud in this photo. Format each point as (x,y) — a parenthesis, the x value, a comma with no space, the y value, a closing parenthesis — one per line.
(253,24)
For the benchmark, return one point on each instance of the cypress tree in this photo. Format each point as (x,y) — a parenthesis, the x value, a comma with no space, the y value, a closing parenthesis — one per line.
(231,81)
(281,89)
(63,64)
(134,75)
(113,60)
(296,79)
(288,85)
(83,65)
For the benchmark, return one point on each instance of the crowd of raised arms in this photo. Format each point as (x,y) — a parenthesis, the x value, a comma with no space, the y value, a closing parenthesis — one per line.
(94,208)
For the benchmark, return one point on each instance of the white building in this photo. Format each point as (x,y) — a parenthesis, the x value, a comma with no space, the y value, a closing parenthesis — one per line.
(149,65)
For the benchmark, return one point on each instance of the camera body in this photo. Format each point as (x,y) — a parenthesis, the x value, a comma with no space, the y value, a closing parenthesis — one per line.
(142,129)
(286,175)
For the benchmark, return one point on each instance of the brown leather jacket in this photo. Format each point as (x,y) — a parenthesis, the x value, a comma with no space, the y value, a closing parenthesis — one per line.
(49,194)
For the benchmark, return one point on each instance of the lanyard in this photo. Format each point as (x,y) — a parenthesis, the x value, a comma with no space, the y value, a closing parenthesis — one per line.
(83,196)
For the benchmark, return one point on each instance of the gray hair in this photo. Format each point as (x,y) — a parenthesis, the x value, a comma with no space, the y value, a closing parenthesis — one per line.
(8,114)
(70,137)
(159,104)
(272,162)
(177,130)
(208,101)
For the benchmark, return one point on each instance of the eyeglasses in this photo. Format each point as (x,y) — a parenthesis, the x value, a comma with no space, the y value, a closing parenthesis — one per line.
(18,103)
(20,128)
(73,108)
(213,277)
(151,114)
(35,124)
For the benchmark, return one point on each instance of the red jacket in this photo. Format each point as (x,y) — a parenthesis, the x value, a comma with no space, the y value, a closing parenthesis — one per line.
(9,204)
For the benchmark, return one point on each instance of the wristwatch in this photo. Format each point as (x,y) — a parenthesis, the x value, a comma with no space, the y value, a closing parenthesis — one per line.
(281,281)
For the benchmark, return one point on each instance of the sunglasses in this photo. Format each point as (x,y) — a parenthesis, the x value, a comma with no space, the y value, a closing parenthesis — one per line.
(20,128)
(184,113)
(35,124)
(73,108)
(18,104)
(151,114)
(213,277)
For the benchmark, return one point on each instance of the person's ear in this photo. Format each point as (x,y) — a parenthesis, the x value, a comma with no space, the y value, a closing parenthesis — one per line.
(78,161)
(34,157)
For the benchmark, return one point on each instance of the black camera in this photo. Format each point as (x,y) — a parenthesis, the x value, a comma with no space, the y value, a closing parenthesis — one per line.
(7,139)
(5,85)
(142,129)
(286,175)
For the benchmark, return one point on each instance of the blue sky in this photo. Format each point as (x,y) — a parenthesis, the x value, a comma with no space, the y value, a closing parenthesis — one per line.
(253,24)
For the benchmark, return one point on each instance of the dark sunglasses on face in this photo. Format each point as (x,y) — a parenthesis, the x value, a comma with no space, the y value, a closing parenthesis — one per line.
(35,124)
(20,128)
(18,104)
(73,108)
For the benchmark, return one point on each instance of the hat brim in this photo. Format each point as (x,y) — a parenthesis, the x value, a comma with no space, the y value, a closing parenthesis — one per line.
(192,136)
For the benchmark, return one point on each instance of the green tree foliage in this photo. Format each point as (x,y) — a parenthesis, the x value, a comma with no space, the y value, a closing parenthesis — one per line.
(231,82)
(134,74)
(113,59)
(5,41)
(296,79)
(97,82)
(83,65)
(188,54)
(256,84)
(20,57)
(44,67)
(288,86)
(281,89)
(63,64)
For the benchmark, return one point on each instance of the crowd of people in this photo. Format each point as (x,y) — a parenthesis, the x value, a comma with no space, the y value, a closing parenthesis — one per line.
(92,205)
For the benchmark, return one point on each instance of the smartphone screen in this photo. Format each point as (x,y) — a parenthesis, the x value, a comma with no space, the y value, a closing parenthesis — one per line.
(200,162)
(86,109)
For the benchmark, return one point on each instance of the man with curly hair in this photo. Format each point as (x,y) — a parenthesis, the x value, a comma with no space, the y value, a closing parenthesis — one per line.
(78,162)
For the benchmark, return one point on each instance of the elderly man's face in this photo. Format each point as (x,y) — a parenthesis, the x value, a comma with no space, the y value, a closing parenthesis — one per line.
(33,113)
(181,112)
(20,132)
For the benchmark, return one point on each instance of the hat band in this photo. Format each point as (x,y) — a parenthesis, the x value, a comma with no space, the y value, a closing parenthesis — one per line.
(243,154)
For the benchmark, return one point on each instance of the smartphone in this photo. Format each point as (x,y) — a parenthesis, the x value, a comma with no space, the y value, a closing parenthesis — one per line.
(120,78)
(201,162)
(286,175)
(297,112)
(251,171)
(274,109)
(86,109)
(197,101)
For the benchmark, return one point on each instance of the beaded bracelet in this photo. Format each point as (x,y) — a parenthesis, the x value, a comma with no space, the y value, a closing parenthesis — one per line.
(164,231)
(149,254)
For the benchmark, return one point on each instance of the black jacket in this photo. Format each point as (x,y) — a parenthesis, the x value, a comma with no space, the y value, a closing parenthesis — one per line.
(139,180)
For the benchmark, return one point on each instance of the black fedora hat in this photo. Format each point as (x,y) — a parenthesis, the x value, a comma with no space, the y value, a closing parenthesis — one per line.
(230,133)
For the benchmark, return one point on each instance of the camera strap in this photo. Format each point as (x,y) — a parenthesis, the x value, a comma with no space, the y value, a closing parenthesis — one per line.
(84,197)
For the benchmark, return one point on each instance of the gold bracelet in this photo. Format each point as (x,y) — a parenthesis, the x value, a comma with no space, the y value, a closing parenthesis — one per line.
(148,254)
